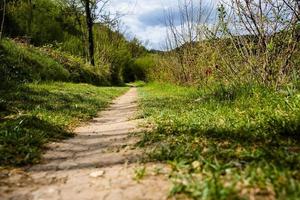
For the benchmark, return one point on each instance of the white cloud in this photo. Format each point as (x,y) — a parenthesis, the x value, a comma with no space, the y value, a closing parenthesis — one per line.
(144,19)
(133,10)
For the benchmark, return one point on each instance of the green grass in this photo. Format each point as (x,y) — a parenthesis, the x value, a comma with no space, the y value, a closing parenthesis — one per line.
(20,63)
(227,142)
(24,64)
(36,113)
(136,84)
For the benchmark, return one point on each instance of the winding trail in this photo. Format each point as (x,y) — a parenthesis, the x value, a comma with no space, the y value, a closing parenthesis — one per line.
(98,163)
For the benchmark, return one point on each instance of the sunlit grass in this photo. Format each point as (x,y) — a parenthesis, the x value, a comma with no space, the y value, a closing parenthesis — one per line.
(226,142)
(33,114)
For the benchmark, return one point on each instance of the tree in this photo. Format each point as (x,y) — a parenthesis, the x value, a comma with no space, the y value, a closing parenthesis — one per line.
(3,18)
(93,11)
(268,37)
(90,23)
(30,16)
(185,28)
(294,6)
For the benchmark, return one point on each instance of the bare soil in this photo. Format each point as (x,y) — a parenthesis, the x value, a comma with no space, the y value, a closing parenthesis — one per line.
(100,162)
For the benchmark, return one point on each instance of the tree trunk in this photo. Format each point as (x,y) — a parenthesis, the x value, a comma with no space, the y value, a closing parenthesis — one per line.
(30,16)
(89,22)
(3,17)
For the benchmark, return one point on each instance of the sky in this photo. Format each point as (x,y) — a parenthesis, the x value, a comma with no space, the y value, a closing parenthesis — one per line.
(143,19)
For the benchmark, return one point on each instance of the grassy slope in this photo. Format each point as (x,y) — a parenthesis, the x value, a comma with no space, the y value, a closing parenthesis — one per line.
(226,143)
(33,114)
(24,63)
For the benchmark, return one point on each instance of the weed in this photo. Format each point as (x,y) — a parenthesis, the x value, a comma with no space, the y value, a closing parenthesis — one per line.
(139,173)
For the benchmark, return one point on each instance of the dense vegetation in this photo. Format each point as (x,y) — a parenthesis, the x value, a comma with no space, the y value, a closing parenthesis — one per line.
(244,42)
(59,25)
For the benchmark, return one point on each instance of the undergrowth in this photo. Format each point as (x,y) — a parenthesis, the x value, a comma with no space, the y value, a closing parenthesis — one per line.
(226,142)
(36,113)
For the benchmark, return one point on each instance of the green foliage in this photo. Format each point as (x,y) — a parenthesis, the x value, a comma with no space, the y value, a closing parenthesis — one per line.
(40,21)
(231,59)
(33,114)
(228,142)
(140,68)
(45,22)
(119,59)
(23,63)
(80,71)
(73,45)
(61,24)
(114,49)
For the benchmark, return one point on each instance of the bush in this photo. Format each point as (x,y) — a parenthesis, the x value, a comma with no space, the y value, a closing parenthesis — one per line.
(139,68)
(80,71)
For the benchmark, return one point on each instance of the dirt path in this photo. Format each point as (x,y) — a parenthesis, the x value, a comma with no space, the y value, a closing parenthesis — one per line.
(98,163)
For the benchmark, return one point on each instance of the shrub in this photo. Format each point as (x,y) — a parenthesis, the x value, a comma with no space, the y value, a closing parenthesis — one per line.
(139,68)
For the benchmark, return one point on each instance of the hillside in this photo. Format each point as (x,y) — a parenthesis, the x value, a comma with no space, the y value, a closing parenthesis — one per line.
(21,62)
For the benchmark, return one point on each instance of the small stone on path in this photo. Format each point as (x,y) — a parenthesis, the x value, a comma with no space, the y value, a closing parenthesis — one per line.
(97,174)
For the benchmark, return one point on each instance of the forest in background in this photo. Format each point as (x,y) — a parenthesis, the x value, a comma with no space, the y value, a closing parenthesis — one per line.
(61,30)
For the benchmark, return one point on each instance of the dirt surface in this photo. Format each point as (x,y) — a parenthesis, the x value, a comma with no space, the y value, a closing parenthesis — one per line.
(100,162)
